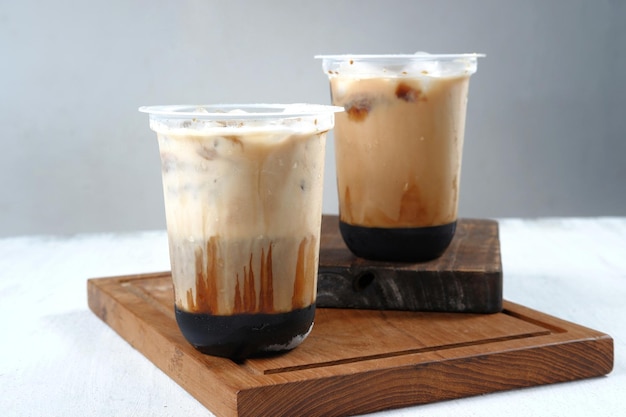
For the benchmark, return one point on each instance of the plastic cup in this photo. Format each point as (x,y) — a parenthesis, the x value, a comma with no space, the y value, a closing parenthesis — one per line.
(398,148)
(242,187)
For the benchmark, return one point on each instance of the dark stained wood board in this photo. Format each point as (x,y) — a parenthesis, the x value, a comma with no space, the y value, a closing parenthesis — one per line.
(467,278)
(357,361)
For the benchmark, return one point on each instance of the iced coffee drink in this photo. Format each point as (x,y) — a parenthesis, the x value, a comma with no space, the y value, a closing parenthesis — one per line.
(398,150)
(243,191)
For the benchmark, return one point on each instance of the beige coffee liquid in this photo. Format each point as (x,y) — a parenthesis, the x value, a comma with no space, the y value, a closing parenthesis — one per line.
(398,149)
(243,215)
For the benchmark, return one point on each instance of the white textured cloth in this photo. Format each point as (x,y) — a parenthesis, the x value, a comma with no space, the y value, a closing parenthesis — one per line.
(58,359)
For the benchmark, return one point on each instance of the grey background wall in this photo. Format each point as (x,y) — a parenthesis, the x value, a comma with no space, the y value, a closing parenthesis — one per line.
(546,121)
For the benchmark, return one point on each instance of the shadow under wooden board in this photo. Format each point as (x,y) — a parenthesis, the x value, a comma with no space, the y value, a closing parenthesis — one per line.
(357,361)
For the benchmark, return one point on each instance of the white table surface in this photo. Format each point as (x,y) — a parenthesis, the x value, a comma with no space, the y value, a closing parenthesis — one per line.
(58,359)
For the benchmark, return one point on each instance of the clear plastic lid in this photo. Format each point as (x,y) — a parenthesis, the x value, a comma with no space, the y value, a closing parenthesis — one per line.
(400,65)
(239,111)
(299,116)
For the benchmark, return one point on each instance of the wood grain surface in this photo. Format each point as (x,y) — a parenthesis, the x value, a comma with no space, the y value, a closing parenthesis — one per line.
(467,278)
(357,361)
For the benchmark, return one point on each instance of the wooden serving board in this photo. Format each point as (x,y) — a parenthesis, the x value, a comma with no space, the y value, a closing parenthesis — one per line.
(357,361)
(467,278)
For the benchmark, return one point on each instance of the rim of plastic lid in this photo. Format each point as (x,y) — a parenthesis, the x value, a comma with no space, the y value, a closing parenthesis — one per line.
(249,111)
(417,57)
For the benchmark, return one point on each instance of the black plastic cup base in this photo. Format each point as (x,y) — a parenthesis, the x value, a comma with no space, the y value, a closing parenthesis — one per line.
(242,336)
(416,244)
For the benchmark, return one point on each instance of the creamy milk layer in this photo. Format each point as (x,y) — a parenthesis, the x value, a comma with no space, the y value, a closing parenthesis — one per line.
(398,146)
(243,209)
